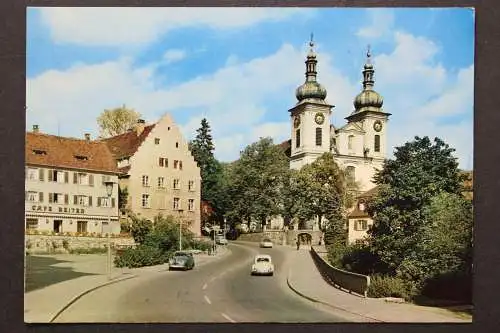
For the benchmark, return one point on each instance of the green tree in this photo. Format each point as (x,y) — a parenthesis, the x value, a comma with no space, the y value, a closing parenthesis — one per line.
(140,228)
(421,170)
(257,181)
(116,121)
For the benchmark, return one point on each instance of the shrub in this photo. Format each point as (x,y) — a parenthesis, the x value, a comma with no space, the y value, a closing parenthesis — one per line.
(140,228)
(141,256)
(201,245)
(65,244)
(93,250)
(359,258)
(452,286)
(388,286)
(336,252)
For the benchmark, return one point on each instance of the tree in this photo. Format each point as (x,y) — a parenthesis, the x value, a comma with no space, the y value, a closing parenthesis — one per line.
(421,170)
(117,121)
(140,228)
(257,181)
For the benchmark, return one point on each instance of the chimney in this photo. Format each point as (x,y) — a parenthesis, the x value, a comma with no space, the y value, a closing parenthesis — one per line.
(139,126)
(87,136)
(35,128)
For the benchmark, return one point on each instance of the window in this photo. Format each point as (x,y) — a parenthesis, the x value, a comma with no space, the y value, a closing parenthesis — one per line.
(176,163)
(377,143)
(161,182)
(177,145)
(191,204)
(157,141)
(81,226)
(350,173)
(361,225)
(176,184)
(81,157)
(32,196)
(177,203)
(180,165)
(104,202)
(58,198)
(161,161)
(81,178)
(31,224)
(81,200)
(32,174)
(319,136)
(166,163)
(58,176)
(361,205)
(145,200)
(145,180)
(191,185)
(297,138)
(350,142)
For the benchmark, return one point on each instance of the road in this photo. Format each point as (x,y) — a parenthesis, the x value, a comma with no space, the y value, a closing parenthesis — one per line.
(220,291)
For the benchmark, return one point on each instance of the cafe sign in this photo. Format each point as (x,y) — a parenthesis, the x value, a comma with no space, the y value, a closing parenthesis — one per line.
(40,208)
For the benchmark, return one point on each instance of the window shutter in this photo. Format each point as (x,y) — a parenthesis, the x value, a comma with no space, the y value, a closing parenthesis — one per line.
(40,196)
(40,174)
(51,174)
(91,180)
(66,199)
(113,202)
(103,179)
(90,201)
(66,177)
(75,178)
(75,200)
(51,197)
(98,201)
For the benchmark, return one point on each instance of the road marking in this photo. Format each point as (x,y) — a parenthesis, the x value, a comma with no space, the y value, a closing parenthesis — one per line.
(204,286)
(207,299)
(228,318)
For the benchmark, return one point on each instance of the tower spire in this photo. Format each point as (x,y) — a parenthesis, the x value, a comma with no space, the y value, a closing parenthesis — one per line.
(311,62)
(368,71)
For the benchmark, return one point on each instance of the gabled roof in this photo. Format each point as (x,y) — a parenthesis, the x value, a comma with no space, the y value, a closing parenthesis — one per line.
(56,151)
(369,194)
(126,144)
(357,213)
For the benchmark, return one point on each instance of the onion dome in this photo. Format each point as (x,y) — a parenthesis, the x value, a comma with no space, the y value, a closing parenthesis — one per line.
(311,89)
(368,98)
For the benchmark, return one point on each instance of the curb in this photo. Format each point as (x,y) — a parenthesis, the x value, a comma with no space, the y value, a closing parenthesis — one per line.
(87,292)
(325,303)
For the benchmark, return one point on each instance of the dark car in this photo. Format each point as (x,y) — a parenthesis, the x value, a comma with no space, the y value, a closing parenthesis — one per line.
(181,260)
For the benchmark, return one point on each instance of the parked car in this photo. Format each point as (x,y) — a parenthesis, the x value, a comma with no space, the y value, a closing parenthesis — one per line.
(221,240)
(266,243)
(182,260)
(262,265)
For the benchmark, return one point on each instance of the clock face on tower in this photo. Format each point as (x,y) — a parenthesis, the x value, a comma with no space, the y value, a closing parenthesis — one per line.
(296,121)
(319,118)
(377,126)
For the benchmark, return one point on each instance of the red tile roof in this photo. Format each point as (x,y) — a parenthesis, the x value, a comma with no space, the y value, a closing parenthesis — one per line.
(126,144)
(357,213)
(55,151)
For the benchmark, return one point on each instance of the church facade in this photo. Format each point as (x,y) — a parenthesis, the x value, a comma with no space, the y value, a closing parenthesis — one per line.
(359,146)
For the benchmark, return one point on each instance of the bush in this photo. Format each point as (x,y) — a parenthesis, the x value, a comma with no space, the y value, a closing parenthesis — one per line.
(388,286)
(94,250)
(452,286)
(360,259)
(201,245)
(336,253)
(141,256)
(140,229)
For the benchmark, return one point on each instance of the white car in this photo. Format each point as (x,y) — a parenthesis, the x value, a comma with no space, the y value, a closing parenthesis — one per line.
(262,265)
(221,240)
(266,243)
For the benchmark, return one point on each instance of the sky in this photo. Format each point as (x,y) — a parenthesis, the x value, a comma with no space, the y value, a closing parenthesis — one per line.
(239,68)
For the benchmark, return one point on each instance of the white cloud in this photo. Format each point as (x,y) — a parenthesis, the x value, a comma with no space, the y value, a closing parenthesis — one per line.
(381,23)
(174,55)
(116,26)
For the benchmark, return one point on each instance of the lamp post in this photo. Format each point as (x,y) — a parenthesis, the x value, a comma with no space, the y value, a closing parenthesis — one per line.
(180,229)
(109,192)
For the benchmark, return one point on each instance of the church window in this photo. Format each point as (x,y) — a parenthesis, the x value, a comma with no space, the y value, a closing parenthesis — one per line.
(350,142)
(319,136)
(377,143)
(350,173)
(297,138)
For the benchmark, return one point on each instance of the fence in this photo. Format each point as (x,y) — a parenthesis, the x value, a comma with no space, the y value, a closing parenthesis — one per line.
(352,282)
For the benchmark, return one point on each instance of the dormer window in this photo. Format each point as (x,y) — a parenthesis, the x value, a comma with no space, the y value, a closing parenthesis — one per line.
(361,206)
(39,152)
(81,157)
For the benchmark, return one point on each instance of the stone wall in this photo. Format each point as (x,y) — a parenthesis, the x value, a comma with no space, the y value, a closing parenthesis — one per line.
(60,244)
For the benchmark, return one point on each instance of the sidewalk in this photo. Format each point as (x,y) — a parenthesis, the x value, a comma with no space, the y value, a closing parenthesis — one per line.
(305,279)
(43,305)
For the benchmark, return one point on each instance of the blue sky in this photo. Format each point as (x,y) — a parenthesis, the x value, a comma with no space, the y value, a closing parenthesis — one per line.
(239,67)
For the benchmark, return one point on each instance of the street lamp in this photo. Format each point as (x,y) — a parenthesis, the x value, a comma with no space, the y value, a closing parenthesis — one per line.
(109,192)
(180,228)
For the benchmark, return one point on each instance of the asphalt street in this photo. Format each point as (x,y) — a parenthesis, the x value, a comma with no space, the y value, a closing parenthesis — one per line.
(220,291)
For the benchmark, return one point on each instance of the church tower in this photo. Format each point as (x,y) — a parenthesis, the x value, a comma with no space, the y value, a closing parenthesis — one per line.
(310,117)
(361,143)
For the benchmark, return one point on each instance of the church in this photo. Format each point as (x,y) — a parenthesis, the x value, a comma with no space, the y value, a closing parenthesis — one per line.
(359,146)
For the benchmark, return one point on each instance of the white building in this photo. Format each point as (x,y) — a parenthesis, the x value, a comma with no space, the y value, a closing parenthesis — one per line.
(65,190)
(359,146)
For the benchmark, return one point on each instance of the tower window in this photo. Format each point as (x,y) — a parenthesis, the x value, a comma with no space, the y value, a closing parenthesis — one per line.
(319,136)
(297,138)
(350,142)
(377,143)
